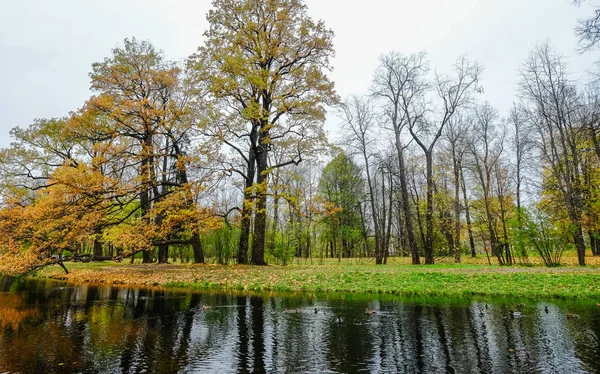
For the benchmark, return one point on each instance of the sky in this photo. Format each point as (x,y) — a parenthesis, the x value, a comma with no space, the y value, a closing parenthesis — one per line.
(47,47)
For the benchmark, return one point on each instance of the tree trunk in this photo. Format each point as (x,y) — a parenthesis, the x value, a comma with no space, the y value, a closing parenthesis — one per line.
(197,248)
(378,257)
(492,232)
(97,249)
(147,256)
(592,244)
(242,254)
(260,213)
(163,253)
(429,210)
(468,214)
(246,213)
(412,243)
(419,216)
(456,166)
(274,226)
(145,167)
(579,243)
(388,235)
(506,242)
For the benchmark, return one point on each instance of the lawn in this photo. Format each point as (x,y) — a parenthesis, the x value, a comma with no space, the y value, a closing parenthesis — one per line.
(473,277)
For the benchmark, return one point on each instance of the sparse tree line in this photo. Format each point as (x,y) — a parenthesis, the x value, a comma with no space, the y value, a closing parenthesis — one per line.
(221,157)
(457,178)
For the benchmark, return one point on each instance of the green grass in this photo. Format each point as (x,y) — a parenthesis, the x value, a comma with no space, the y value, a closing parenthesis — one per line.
(436,282)
(448,280)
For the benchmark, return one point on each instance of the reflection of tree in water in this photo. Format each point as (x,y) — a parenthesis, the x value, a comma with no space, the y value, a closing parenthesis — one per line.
(588,341)
(476,333)
(243,337)
(258,343)
(47,327)
(33,332)
(14,313)
(562,336)
(350,343)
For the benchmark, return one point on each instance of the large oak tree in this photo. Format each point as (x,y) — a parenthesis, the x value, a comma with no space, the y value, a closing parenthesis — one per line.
(263,68)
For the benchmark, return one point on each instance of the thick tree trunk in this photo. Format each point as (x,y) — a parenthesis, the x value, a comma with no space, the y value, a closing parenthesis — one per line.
(242,253)
(246,213)
(197,248)
(163,253)
(446,226)
(592,244)
(575,217)
(331,248)
(579,242)
(380,222)
(145,167)
(260,213)
(97,249)
(147,256)
(260,227)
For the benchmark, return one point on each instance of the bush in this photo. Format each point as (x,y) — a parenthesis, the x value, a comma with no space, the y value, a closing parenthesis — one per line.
(283,248)
(549,241)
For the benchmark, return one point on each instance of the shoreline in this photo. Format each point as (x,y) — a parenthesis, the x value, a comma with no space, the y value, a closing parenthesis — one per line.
(401,280)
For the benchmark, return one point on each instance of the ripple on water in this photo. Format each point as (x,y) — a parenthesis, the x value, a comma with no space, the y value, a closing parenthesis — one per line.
(124,330)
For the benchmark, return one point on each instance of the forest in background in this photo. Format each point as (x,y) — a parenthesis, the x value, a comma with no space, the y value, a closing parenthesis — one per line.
(224,157)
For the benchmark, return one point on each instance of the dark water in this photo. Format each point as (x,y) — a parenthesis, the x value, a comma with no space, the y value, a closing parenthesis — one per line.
(50,327)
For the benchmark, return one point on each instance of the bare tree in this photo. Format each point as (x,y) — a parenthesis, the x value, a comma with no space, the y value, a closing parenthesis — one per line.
(552,99)
(425,105)
(588,113)
(588,29)
(358,125)
(397,81)
(522,143)
(454,135)
(486,148)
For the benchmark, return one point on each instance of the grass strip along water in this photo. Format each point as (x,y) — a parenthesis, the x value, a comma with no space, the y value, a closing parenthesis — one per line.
(452,280)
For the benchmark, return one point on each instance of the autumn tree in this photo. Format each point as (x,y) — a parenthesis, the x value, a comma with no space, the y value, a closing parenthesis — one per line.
(264,66)
(135,87)
(56,224)
(121,165)
(36,151)
(142,101)
(50,196)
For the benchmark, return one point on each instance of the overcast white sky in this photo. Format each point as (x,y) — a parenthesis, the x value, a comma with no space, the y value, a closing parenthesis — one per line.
(47,47)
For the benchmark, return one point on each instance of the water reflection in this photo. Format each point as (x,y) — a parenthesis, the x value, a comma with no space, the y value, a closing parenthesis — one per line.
(52,327)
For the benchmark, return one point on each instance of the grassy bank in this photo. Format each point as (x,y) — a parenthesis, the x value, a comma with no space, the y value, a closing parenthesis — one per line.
(396,278)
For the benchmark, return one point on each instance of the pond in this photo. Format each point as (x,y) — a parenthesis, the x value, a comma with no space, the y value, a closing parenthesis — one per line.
(48,326)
